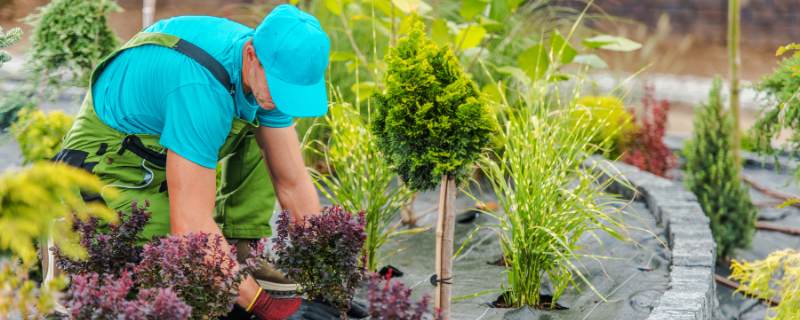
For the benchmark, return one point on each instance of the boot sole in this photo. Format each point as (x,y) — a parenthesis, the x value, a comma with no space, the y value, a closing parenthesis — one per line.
(278,289)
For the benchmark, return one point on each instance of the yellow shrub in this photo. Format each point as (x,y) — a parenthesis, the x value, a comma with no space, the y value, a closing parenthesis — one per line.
(607,112)
(40,134)
(757,279)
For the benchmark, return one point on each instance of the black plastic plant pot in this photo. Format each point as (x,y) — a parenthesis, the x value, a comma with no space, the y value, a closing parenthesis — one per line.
(396,273)
(545,303)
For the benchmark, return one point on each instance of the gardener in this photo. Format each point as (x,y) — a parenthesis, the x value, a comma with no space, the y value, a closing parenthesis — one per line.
(190,91)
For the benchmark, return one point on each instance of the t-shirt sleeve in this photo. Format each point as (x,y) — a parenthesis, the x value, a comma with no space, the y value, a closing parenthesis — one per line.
(273,118)
(196,123)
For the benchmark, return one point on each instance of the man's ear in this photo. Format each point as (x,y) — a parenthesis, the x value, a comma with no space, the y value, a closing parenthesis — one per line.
(250,52)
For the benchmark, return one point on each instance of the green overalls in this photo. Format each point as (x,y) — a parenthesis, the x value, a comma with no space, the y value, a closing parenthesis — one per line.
(135,163)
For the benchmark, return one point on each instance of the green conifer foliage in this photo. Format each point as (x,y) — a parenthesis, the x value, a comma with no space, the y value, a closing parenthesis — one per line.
(11,37)
(431,120)
(713,176)
(72,34)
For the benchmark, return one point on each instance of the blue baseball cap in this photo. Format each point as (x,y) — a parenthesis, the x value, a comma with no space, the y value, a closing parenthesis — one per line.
(294,49)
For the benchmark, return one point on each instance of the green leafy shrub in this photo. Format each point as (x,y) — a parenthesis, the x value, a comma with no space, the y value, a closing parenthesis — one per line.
(758,279)
(70,35)
(432,120)
(609,109)
(40,134)
(713,176)
(779,108)
(11,37)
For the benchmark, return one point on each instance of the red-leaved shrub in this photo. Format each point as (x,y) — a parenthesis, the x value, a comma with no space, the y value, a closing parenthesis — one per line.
(199,269)
(322,253)
(388,300)
(112,253)
(106,299)
(643,145)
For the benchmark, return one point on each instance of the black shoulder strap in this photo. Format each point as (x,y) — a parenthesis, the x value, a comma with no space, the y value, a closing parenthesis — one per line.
(207,61)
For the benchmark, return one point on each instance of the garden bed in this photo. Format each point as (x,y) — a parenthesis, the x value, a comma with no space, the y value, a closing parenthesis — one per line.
(630,284)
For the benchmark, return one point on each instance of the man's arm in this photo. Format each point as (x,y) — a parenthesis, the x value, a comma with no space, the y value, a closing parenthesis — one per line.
(191,207)
(293,186)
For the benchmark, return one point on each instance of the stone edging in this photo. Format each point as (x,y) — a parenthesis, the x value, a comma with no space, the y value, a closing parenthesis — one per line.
(692,288)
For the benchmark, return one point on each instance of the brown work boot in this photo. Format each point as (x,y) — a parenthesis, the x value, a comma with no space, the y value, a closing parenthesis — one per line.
(269,278)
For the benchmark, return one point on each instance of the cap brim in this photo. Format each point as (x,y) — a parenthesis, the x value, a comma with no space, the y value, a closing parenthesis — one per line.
(298,100)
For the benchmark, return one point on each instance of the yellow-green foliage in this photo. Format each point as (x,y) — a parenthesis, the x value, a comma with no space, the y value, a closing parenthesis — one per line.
(432,120)
(21,295)
(593,110)
(30,199)
(757,279)
(40,134)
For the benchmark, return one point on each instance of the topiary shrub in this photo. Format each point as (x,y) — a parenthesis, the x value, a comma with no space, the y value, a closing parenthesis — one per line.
(608,113)
(40,134)
(431,120)
(713,176)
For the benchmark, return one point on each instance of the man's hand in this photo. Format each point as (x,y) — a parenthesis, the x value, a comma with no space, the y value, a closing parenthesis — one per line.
(192,190)
(293,186)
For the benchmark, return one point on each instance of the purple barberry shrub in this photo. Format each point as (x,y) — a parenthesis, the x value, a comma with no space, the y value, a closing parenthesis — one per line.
(321,253)
(106,299)
(392,300)
(199,269)
(112,253)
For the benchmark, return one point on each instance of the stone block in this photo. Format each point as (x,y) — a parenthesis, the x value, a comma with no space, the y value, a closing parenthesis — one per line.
(688,254)
(691,231)
(688,213)
(692,303)
(695,280)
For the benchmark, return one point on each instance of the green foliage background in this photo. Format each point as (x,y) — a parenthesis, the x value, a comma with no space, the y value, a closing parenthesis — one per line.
(73,35)
(713,176)
(598,109)
(432,120)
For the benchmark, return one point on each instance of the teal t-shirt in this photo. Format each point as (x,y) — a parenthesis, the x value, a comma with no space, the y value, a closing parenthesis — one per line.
(156,90)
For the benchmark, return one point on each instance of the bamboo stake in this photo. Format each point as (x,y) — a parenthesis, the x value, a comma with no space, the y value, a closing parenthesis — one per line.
(735,60)
(774,227)
(445,228)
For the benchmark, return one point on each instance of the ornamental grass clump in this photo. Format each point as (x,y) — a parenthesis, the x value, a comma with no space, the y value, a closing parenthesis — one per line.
(96,297)
(550,197)
(777,276)
(432,120)
(323,254)
(713,175)
(199,269)
(363,181)
(387,300)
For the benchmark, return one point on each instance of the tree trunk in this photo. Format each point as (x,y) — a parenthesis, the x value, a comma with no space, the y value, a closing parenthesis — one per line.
(735,60)
(445,227)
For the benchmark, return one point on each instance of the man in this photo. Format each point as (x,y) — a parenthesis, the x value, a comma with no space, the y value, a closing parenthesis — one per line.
(190,91)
